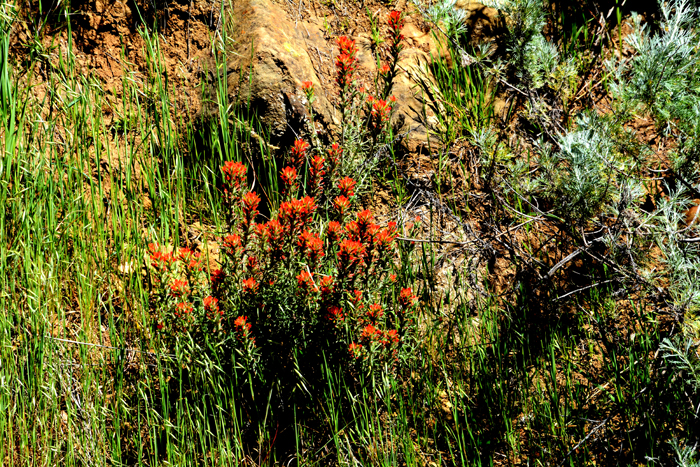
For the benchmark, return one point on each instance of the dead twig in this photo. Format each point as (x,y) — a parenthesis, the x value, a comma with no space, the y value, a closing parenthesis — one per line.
(590,433)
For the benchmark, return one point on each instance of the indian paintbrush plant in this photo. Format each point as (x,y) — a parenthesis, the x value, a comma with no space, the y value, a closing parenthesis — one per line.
(308,285)
(365,116)
(316,282)
(389,70)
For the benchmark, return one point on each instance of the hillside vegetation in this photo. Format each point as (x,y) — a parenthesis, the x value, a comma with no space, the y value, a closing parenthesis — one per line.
(523,287)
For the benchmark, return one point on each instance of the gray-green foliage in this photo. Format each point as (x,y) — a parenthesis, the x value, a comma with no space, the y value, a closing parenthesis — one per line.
(663,77)
(583,170)
(685,455)
(664,64)
(527,48)
(444,12)
(594,170)
(683,356)
(680,256)
(541,60)
(534,60)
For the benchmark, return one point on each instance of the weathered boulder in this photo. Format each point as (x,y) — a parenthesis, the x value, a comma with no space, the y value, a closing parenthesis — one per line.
(272,54)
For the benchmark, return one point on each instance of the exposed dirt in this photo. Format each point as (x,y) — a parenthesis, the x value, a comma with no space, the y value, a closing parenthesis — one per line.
(108,43)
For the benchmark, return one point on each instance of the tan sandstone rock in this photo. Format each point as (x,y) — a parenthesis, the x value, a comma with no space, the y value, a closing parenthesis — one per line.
(273,54)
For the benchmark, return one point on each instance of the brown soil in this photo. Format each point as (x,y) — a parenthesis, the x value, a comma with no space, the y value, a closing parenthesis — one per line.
(108,45)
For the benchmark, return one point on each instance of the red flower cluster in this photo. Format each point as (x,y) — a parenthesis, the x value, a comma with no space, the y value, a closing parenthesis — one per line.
(297,155)
(250,286)
(234,180)
(346,185)
(333,261)
(345,62)
(396,23)
(407,299)
(316,171)
(371,334)
(391,337)
(350,256)
(346,46)
(160,261)
(342,205)
(192,260)
(363,228)
(295,214)
(183,309)
(289,177)
(217,278)
(242,323)
(335,314)
(381,113)
(211,306)
(346,66)
(234,174)
(311,246)
(242,329)
(250,203)
(355,350)
(375,240)
(384,239)
(179,288)
(305,282)
(211,303)
(333,231)
(388,71)
(272,235)
(326,285)
(232,245)
(375,313)
(307,87)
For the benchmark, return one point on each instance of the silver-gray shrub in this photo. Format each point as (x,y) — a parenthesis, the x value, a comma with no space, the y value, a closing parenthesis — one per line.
(541,59)
(683,357)
(664,64)
(583,171)
(681,354)
(685,455)
(662,79)
(663,76)
(681,258)
(530,56)
(445,13)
